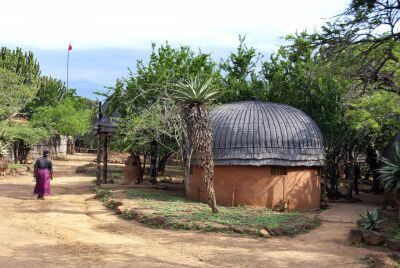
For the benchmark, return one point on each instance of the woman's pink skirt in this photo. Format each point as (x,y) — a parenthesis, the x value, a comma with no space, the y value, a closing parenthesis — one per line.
(42,186)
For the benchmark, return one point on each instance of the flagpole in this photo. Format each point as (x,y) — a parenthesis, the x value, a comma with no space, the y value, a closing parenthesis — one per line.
(67,66)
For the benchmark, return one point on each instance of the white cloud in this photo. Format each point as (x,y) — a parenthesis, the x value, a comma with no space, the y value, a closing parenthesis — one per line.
(134,24)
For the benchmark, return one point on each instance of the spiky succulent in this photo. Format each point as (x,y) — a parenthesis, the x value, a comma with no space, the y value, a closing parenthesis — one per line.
(390,172)
(195,90)
(370,220)
(3,149)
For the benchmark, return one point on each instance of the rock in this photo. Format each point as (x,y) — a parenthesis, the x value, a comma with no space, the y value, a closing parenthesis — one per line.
(373,238)
(237,230)
(395,256)
(277,231)
(356,236)
(393,244)
(383,261)
(270,231)
(264,233)
(118,203)
(158,220)
(119,210)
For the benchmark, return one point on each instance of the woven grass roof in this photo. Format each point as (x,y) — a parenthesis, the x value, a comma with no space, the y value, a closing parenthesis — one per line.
(260,133)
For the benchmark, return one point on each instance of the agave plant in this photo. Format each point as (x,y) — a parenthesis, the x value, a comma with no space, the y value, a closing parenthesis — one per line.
(3,149)
(370,220)
(390,173)
(193,96)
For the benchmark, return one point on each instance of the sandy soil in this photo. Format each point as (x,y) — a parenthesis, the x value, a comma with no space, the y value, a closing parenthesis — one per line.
(71,229)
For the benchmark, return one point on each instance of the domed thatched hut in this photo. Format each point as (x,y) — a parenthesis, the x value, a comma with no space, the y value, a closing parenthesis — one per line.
(264,153)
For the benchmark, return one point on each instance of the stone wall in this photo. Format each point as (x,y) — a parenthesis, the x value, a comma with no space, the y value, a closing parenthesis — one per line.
(56,146)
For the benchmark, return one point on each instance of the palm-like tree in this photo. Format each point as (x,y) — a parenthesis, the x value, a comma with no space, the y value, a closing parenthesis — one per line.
(193,96)
(390,173)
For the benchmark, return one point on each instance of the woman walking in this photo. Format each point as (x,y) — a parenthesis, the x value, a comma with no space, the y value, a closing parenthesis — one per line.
(43,172)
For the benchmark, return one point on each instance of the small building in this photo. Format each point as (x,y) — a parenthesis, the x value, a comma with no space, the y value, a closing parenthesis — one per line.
(264,154)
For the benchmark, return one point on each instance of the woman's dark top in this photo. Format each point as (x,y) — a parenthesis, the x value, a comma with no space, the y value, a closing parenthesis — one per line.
(43,162)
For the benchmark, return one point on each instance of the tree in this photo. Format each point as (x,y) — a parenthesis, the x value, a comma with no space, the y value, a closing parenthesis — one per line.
(143,100)
(193,97)
(22,135)
(366,34)
(14,95)
(22,63)
(240,81)
(67,118)
(50,92)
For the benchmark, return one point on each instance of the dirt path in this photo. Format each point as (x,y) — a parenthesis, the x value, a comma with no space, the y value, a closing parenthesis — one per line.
(70,228)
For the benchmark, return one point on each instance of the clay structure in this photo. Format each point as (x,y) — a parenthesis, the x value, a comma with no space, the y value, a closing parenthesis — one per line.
(265,154)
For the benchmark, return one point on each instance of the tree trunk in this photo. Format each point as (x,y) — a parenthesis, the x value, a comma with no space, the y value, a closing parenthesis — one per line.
(350,176)
(153,162)
(16,151)
(372,161)
(144,162)
(200,137)
(162,162)
(186,161)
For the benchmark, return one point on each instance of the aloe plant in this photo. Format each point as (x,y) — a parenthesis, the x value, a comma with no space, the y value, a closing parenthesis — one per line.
(370,220)
(390,173)
(3,149)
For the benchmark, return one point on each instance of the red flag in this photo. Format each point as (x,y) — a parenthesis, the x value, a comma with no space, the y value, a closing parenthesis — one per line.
(69,47)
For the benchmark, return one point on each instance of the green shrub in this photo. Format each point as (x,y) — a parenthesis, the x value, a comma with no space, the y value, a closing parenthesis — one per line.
(102,193)
(14,166)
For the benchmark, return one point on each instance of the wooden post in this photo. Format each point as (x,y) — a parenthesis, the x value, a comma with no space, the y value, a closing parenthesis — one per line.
(153,162)
(105,158)
(98,160)
(233,197)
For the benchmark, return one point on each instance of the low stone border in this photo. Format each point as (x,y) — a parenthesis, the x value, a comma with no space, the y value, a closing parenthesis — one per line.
(22,171)
(372,238)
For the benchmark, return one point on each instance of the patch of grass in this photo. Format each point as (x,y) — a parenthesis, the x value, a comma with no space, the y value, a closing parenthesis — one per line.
(102,193)
(14,166)
(180,213)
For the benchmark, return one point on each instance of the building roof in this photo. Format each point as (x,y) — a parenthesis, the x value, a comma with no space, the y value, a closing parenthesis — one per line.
(107,123)
(259,133)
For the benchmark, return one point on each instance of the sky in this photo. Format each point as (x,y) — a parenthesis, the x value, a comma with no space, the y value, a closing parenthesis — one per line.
(108,37)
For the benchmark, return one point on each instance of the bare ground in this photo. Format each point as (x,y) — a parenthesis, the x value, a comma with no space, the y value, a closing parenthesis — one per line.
(70,229)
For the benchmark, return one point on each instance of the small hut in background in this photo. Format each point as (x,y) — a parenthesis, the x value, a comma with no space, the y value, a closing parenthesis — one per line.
(103,128)
(265,154)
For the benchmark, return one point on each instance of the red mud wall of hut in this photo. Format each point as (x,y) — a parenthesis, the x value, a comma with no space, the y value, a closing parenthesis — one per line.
(256,186)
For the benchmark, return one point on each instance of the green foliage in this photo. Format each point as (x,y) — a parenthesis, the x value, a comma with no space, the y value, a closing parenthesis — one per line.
(14,95)
(156,79)
(144,99)
(390,172)
(240,81)
(294,76)
(22,63)
(365,35)
(51,91)
(67,118)
(102,193)
(370,220)
(377,113)
(195,91)
(14,166)
(25,131)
